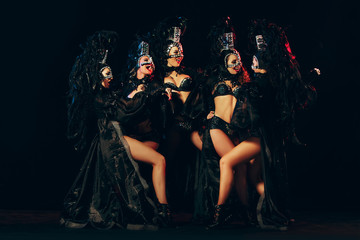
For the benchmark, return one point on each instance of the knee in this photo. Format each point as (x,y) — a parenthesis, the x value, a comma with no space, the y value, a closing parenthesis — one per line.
(224,164)
(160,161)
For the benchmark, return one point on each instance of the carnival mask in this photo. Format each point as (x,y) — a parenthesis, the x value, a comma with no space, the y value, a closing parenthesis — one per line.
(257,63)
(144,59)
(227,43)
(106,76)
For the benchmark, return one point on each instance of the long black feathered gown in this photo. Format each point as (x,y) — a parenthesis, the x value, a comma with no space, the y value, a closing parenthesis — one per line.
(254,115)
(109,189)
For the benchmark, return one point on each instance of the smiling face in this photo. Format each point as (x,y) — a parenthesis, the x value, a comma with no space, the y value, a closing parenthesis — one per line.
(107,76)
(175,57)
(233,63)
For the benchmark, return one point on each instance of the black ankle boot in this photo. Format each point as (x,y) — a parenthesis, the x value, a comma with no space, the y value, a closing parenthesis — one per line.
(165,215)
(220,218)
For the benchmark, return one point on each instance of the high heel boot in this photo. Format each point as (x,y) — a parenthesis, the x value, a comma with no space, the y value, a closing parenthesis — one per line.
(165,215)
(220,218)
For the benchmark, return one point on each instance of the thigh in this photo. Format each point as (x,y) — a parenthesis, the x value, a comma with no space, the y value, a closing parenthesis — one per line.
(152,144)
(243,152)
(222,143)
(141,152)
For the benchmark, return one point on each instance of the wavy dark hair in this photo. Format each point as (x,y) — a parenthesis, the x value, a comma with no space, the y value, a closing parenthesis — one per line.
(282,68)
(85,82)
(280,62)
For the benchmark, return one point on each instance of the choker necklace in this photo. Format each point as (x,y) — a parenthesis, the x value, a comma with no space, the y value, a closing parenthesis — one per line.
(169,70)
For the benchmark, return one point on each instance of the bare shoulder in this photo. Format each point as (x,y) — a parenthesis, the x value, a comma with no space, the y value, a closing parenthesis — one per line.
(183,76)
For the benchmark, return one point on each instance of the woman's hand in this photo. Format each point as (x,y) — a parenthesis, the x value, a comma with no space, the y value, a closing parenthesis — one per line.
(139,88)
(210,115)
(169,92)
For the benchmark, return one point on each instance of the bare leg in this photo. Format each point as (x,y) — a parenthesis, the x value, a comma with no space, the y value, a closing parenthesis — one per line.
(152,144)
(242,153)
(255,175)
(141,152)
(241,183)
(222,143)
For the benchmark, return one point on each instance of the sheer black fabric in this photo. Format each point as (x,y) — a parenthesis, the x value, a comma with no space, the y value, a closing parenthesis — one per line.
(180,154)
(272,207)
(246,119)
(148,126)
(109,189)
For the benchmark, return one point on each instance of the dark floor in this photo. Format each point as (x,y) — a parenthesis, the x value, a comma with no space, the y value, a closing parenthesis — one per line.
(25,224)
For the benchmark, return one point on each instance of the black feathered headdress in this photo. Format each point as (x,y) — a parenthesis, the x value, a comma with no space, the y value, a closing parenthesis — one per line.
(222,42)
(139,48)
(85,81)
(167,34)
(222,38)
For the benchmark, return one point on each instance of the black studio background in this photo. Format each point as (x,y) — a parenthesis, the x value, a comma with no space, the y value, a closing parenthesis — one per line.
(40,41)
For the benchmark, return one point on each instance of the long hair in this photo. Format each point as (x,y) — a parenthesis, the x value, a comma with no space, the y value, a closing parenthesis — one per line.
(85,82)
(282,68)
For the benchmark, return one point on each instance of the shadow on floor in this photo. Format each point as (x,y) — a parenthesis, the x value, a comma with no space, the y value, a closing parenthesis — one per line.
(26,224)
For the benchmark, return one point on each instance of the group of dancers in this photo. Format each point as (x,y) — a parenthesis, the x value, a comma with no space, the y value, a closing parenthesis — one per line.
(162,138)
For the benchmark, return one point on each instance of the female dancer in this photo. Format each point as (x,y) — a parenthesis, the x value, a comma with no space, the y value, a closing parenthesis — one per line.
(282,92)
(109,190)
(226,77)
(143,132)
(181,111)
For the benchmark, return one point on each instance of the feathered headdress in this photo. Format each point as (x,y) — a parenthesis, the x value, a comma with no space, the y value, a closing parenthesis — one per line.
(223,38)
(166,35)
(84,82)
(139,48)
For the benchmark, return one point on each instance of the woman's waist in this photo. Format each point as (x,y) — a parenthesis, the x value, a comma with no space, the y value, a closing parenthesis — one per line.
(217,122)
(225,110)
(225,100)
(225,116)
